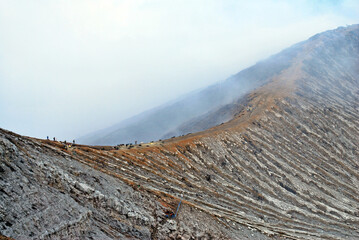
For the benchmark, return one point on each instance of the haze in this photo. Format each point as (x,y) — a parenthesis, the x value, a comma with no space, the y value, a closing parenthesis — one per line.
(68,68)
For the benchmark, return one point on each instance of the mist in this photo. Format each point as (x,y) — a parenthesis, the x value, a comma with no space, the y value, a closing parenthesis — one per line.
(72,67)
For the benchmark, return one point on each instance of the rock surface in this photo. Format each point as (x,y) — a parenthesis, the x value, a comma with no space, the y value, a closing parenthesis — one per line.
(286,167)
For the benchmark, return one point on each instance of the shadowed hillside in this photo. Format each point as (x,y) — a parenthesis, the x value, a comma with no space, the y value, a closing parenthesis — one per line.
(285,167)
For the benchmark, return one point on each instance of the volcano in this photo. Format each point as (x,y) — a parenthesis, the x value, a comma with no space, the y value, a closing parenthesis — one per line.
(277,161)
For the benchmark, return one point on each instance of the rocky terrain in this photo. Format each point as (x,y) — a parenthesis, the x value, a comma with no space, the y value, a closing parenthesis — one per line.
(285,167)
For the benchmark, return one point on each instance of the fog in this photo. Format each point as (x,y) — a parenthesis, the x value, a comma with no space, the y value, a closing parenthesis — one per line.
(68,68)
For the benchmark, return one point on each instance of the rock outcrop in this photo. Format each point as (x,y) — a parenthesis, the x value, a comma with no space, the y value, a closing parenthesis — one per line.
(285,167)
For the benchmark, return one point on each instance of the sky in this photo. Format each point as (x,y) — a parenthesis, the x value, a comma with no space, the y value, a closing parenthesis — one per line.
(71,67)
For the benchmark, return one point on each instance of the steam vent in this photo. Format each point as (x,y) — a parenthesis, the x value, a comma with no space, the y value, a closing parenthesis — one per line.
(286,166)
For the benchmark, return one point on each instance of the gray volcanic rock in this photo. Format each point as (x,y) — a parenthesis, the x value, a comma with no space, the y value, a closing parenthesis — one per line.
(46,194)
(285,167)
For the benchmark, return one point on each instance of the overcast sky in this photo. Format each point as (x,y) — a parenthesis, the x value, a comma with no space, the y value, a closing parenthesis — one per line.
(68,68)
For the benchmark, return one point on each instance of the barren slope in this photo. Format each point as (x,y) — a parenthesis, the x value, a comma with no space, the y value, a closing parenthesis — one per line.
(193,112)
(285,167)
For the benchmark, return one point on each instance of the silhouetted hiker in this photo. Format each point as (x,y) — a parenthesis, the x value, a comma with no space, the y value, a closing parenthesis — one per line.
(47,137)
(73,141)
(54,139)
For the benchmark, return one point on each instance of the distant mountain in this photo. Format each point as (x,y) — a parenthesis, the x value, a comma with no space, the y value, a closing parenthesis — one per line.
(189,113)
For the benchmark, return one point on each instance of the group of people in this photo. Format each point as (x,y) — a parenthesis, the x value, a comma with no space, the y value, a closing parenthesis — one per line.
(73,141)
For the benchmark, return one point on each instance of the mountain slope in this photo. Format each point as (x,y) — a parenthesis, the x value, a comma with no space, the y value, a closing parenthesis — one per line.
(167,119)
(285,167)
